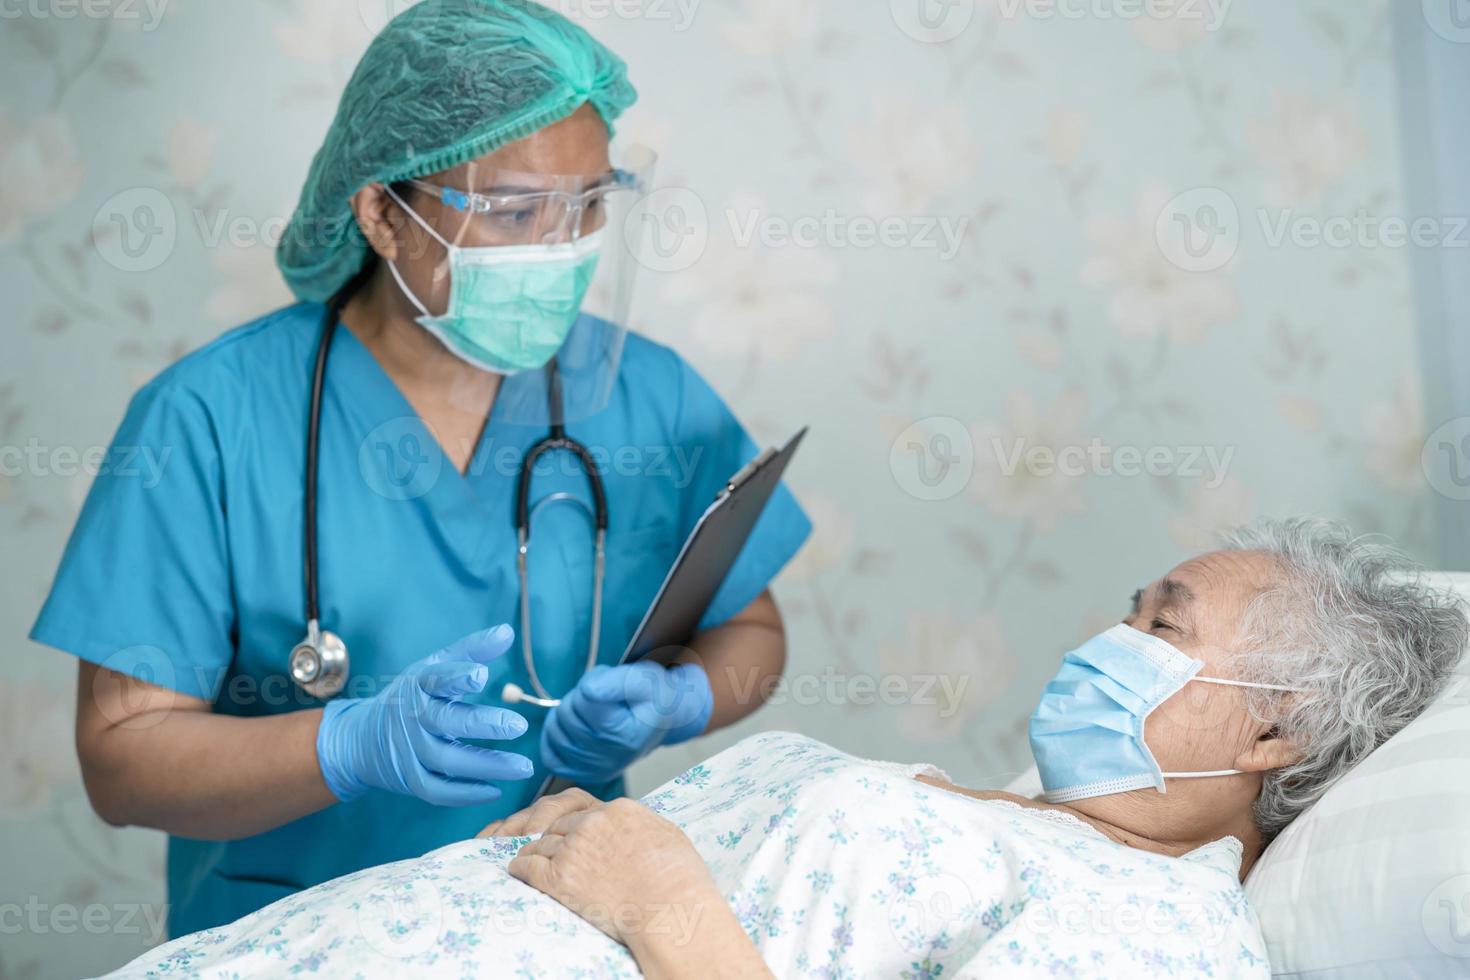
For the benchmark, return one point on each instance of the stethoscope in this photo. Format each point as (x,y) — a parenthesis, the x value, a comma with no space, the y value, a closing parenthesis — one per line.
(319,663)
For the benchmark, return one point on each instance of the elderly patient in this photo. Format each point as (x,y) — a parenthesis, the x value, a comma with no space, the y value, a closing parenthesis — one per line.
(1172,748)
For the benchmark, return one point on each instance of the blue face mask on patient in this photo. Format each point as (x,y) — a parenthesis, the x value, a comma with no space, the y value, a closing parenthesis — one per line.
(1087,731)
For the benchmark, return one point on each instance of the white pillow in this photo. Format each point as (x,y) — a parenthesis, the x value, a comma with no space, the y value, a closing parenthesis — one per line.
(1374,879)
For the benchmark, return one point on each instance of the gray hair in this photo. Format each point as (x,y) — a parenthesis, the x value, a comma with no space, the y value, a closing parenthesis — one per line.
(1349,620)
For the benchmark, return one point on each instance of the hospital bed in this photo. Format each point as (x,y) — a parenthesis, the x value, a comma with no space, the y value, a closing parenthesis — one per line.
(1374,879)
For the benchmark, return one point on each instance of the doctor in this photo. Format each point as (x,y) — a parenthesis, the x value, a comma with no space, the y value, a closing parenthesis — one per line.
(460,226)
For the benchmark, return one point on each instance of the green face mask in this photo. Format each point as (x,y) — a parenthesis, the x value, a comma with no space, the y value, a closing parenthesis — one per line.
(511,307)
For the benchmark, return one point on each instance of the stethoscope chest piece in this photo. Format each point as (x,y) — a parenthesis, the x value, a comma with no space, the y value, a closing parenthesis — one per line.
(319,663)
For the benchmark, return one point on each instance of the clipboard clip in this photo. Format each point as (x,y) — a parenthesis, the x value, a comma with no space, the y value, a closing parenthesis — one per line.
(746,472)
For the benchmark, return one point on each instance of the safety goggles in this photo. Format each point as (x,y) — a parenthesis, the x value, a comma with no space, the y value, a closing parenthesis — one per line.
(494,207)
(519,209)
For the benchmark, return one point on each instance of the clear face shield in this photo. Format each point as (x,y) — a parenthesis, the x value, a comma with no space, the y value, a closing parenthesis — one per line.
(544,264)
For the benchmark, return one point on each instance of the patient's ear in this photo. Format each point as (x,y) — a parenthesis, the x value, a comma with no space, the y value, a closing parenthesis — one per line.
(1270,751)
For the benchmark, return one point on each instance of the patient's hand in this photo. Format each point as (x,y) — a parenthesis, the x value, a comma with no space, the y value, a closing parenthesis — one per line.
(636,877)
(620,866)
(541,814)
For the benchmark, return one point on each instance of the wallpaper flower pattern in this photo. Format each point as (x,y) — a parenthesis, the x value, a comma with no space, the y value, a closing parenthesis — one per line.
(940,244)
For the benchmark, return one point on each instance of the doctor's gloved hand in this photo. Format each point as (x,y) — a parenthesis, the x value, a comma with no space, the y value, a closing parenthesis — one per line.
(406,739)
(617,715)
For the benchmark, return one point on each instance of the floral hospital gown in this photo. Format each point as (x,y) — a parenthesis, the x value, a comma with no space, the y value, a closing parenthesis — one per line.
(836,867)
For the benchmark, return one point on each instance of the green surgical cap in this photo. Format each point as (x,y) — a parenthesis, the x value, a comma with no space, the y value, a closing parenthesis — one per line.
(445,82)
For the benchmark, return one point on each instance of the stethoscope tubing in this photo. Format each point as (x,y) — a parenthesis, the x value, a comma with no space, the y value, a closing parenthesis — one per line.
(313,446)
(556,440)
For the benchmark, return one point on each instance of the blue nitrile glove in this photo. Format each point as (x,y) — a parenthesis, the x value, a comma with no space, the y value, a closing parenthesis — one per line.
(407,738)
(617,715)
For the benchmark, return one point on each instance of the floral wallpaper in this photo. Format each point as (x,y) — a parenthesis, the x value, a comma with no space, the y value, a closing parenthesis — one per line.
(1041,277)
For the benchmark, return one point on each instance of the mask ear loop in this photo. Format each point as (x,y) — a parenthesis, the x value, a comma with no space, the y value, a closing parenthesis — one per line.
(1220,680)
(393,267)
(1264,687)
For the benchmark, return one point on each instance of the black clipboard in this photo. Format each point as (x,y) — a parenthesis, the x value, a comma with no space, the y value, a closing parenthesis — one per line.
(703,563)
(708,555)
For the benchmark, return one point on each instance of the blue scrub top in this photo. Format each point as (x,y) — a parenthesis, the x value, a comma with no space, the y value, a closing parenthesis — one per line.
(192,580)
